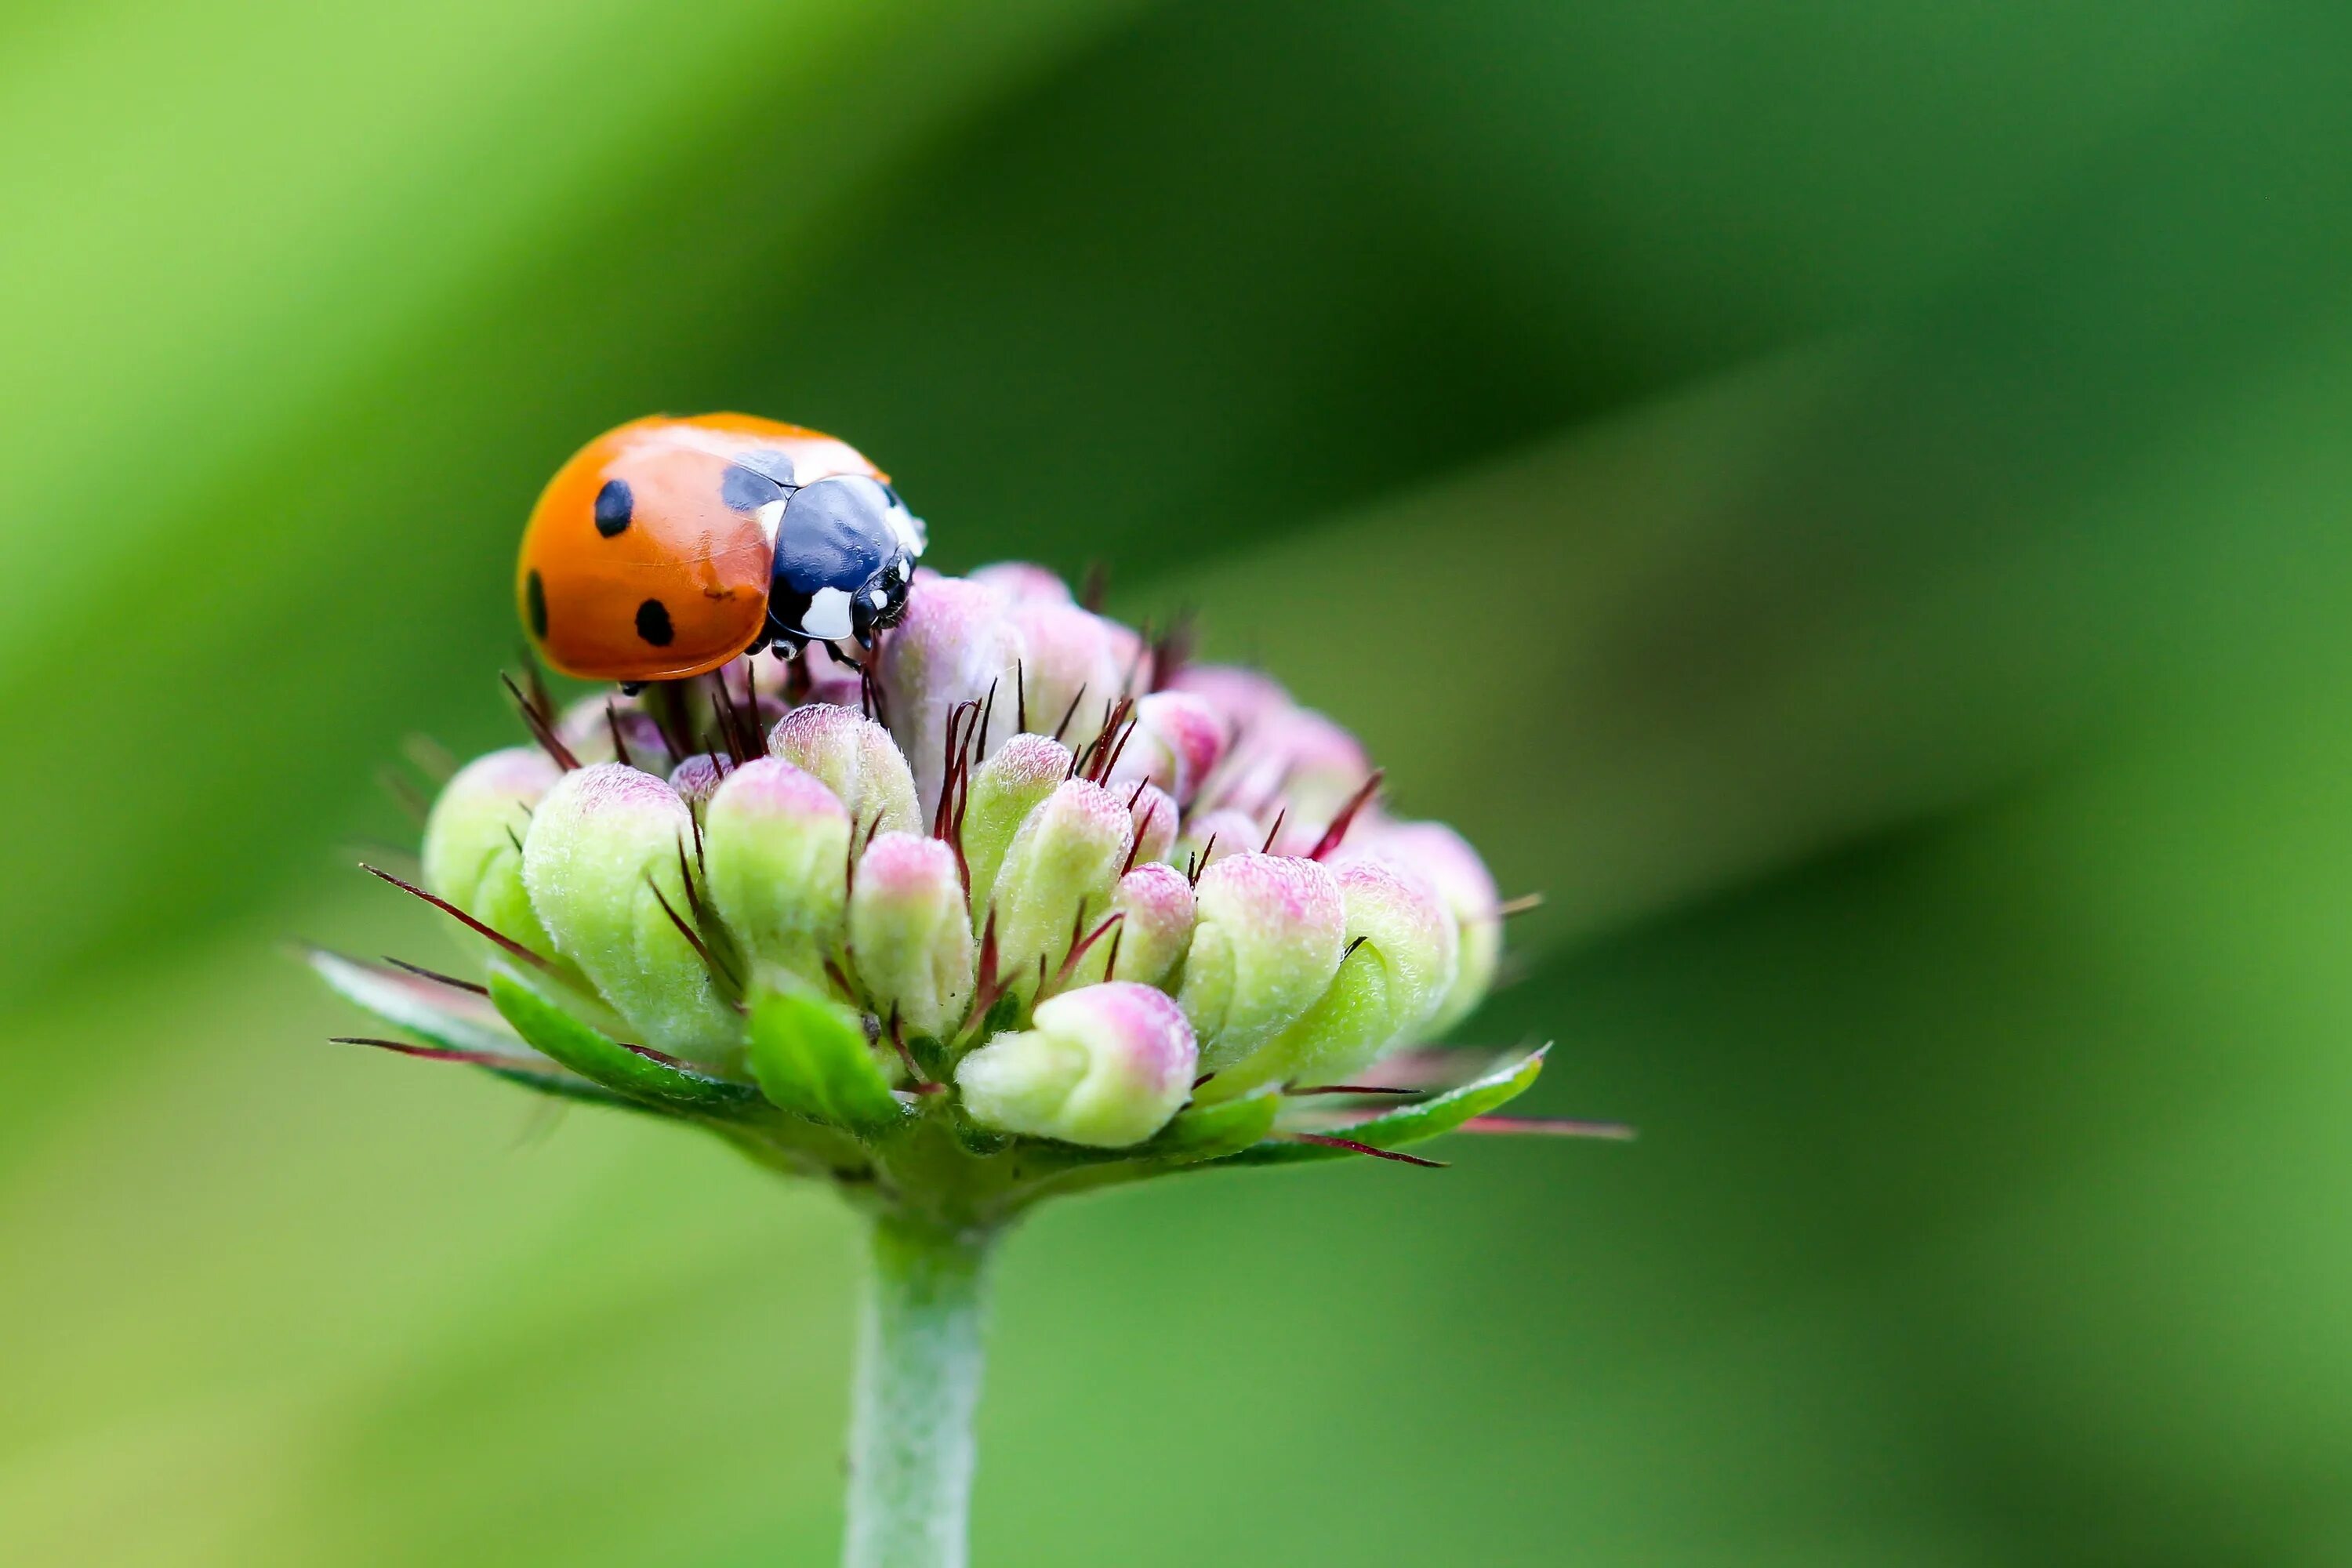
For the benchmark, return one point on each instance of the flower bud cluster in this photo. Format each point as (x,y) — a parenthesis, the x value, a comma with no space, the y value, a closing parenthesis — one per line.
(1041,877)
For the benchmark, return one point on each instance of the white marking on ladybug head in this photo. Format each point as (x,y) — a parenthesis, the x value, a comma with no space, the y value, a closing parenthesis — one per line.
(770,518)
(828,614)
(878,598)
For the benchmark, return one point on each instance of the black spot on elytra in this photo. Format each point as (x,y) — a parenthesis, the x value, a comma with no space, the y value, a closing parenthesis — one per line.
(534,598)
(748,490)
(613,505)
(653,623)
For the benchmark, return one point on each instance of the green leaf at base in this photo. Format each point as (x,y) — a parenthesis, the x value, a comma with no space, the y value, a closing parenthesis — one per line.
(1214,1131)
(1408,1124)
(640,1076)
(1201,1138)
(452,1019)
(465,1027)
(811,1057)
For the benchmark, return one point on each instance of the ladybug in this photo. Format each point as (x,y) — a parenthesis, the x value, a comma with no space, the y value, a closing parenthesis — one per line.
(666,547)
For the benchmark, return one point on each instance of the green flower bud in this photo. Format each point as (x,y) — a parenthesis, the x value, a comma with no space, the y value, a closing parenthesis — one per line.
(776,845)
(1400,962)
(1265,943)
(910,932)
(1154,903)
(1005,790)
(1444,859)
(1057,877)
(1106,1067)
(856,760)
(601,857)
(473,837)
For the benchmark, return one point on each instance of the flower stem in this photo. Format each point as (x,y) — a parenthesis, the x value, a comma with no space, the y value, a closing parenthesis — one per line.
(918,1384)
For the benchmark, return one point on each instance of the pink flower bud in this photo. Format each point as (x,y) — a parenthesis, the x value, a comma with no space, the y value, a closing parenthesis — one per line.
(1325,763)
(698,775)
(1265,943)
(857,761)
(1133,657)
(957,645)
(1242,699)
(1177,741)
(1021,583)
(776,846)
(1299,764)
(909,934)
(1154,907)
(1072,673)
(1106,1066)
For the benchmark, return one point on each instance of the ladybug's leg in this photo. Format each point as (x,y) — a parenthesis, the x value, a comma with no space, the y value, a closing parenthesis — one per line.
(861,621)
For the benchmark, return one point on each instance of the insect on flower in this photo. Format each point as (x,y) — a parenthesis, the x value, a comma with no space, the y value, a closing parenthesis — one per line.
(666,547)
(1031,905)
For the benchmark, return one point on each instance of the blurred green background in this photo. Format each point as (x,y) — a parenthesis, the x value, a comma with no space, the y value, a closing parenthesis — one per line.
(1850,500)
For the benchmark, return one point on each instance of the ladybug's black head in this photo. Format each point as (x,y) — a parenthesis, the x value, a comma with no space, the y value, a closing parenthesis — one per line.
(881,603)
(846,552)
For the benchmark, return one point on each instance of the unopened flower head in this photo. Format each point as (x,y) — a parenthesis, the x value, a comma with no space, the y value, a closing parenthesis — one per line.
(969,897)
(1022,904)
